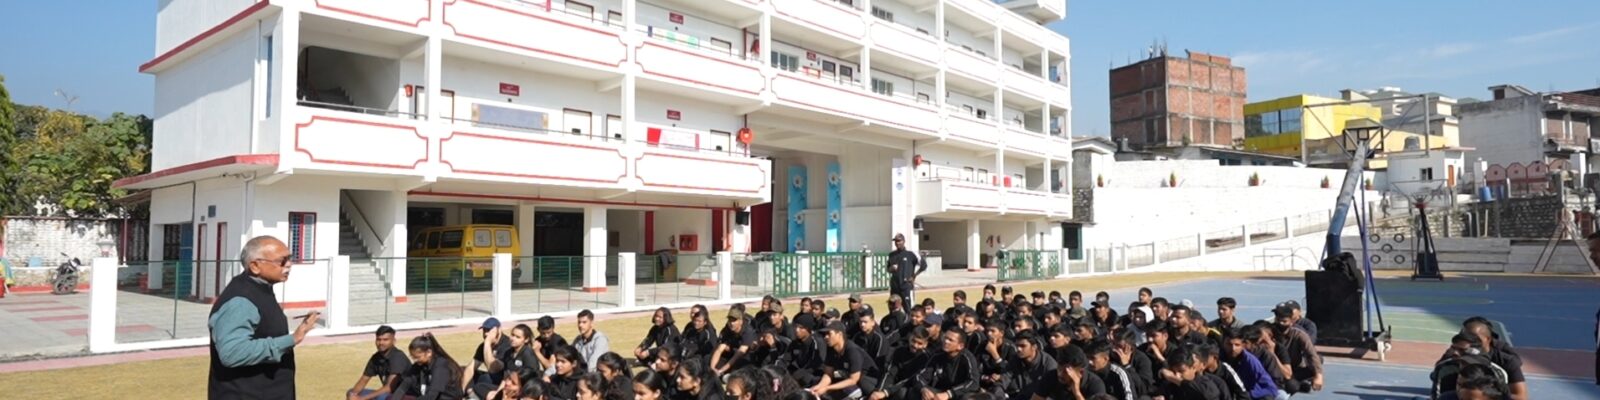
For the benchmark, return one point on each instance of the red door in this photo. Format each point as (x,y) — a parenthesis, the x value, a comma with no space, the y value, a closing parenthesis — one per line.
(717,229)
(761,228)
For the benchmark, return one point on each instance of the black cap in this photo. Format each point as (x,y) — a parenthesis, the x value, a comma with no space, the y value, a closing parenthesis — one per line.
(835,326)
(1282,311)
(1295,305)
(806,320)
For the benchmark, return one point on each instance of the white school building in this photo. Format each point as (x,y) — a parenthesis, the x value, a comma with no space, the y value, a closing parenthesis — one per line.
(603,127)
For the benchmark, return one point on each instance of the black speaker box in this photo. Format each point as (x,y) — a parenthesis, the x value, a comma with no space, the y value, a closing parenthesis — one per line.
(1333,302)
(741,217)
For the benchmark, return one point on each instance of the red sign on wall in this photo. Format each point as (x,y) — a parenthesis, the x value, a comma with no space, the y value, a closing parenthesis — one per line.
(676,18)
(674,115)
(510,89)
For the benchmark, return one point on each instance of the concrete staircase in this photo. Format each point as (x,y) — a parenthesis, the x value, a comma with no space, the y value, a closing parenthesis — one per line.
(703,273)
(368,282)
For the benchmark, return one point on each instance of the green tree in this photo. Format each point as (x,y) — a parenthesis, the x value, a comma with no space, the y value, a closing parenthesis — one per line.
(8,139)
(68,161)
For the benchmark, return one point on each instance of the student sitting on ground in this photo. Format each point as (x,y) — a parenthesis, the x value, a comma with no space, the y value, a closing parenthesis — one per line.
(482,376)
(433,374)
(695,382)
(569,367)
(387,364)
(662,331)
(545,346)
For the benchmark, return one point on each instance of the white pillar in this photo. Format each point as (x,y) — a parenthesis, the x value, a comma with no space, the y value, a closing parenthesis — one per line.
(1245,233)
(501,280)
(398,242)
(805,271)
(764,51)
(338,293)
(594,249)
(102,304)
(1200,241)
(724,275)
(154,270)
(626,272)
(525,235)
(974,246)
(432,65)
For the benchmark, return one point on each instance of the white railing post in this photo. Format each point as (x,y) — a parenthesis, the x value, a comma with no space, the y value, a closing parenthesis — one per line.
(102,305)
(724,275)
(804,275)
(1063,262)
(1200,243)
(1155,253)
(627,270)
(1244,232)
(1287,231)
(338,293)
(502,285)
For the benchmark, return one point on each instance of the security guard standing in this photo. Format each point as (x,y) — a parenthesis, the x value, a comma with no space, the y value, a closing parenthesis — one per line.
(904,266)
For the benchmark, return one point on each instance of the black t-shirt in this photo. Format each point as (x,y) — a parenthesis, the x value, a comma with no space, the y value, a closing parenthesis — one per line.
(434,380)
(1052,388)
(386,363)
(904,264)
(852,360)
(699,342)
(547,347)
(523,360)
(502,352)
(734,340)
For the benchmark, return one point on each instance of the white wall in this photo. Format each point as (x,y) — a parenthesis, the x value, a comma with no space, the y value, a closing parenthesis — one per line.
(800,53)
(1012,57)
(385,211)
(478,82)
(601,7)
(1209,174)
(1504,131)
(905,15)
(629,226)
(272,205)
(698,116)
(678,221)
(203,106)
(178,21)
(961,37)
(957,100)
(948,157)
(950,238)
(693,25)
(1143,215)
(1087,165)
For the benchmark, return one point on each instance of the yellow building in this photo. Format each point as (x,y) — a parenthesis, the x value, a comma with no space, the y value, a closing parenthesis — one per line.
(1282,126)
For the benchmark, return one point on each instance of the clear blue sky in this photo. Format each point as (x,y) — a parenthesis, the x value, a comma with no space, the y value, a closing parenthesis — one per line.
(92,48)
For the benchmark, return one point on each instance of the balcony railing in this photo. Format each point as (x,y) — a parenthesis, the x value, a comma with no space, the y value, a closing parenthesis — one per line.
(560,10)
(383,112)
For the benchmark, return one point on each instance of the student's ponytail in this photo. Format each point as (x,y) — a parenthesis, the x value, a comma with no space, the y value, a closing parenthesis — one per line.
(427,341)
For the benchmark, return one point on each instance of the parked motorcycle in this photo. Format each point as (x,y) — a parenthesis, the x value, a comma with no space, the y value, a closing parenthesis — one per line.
(65,280)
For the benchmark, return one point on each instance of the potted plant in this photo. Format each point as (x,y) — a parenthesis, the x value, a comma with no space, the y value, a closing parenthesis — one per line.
(1255,179)
(1172,179)
(1325,183)
(1369,183)
(1100,181)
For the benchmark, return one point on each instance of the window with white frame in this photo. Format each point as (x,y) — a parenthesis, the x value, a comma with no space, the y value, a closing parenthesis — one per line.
(786,62)
(883,14)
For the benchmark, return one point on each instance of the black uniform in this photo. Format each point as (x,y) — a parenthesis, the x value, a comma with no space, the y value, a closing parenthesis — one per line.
(804,361)
(900,376)
(850,361)
(431,381)
(698,343)
(1021,376)
(384,364)
(956,374)
(1119,382)
(1089,385)
(904,265)
(659,335)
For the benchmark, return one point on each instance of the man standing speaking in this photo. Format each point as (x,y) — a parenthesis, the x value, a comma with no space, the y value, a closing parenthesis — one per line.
(252,352)
(904,266)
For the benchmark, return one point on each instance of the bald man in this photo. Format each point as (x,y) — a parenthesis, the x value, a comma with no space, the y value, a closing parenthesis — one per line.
(252,351)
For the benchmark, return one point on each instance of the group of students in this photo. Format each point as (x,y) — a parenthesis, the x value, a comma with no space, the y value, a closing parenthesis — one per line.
(1480,364)
(1008,347)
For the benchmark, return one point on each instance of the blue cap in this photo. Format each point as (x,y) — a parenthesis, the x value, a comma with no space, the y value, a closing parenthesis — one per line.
(491,323)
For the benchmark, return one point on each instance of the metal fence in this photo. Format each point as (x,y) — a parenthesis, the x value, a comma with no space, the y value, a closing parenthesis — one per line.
(828,273)
(1022,265)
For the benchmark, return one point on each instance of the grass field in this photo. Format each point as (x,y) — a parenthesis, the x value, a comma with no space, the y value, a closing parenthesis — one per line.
(327,370)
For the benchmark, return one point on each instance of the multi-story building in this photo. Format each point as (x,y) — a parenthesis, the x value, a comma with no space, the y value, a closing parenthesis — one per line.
(1520,136)
(1165,101)
(1311,128)
(604,126)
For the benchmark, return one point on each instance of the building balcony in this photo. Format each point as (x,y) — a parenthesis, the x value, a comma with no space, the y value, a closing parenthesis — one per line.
(846,98)
(951,198)
(969,64)
(686,60)
(1026,83)
(401,14)
(906,43)
(963,127)
(1040,10)
(531,29)
(827,16)
(1022,141)
(664,160)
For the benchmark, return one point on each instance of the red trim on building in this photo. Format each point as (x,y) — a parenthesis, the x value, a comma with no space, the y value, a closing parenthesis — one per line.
(646,70)
(559,200)
(453,168)
(699,282)
(248,11)
(453,29)
(418,22)
(400,299)
(304,304)
(852,113)
(427,148)
(39,289)
(646,183)
(594,290)
(247,159)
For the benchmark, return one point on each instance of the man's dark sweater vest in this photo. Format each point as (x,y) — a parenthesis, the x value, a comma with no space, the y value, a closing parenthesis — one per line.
(265,381)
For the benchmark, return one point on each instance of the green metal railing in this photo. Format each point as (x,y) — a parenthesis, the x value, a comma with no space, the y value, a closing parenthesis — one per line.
(831,273)
(1024,265)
